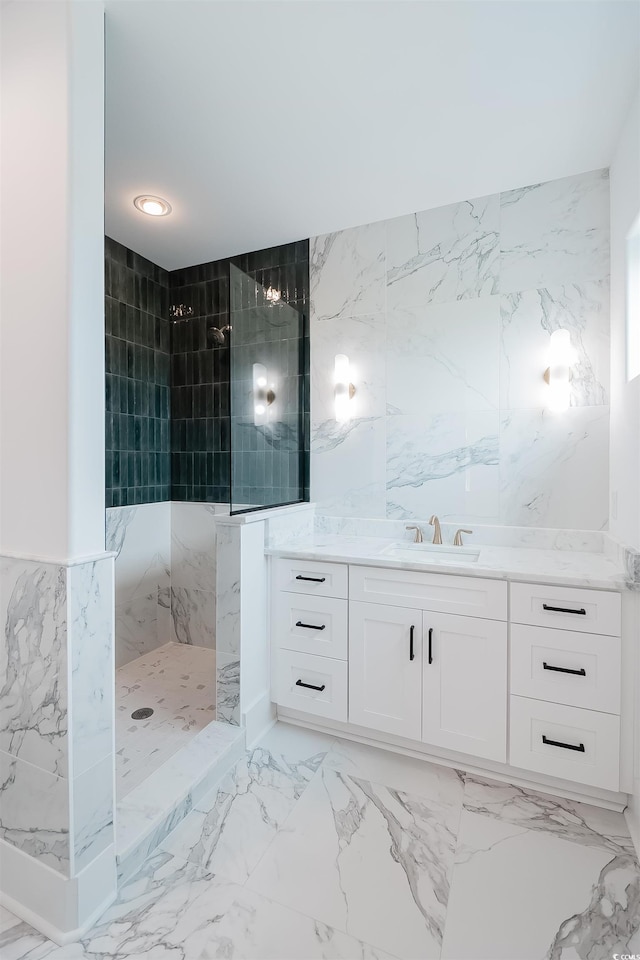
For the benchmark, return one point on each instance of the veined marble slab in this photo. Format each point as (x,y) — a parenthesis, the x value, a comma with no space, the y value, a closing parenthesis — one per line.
(33,688)
(451,411)
(574,568)
(518,893)
(333,861)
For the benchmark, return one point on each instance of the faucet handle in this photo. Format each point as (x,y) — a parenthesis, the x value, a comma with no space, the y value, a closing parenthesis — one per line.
(457,540)
(418,537)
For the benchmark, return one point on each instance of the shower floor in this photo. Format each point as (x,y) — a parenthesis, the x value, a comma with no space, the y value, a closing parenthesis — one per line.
(178,682)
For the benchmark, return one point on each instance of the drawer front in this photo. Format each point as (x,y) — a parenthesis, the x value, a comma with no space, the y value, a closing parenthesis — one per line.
(439,592)
(594,737)
(299,674)
(315,625)
(578,669)
(311,577)
(566,608)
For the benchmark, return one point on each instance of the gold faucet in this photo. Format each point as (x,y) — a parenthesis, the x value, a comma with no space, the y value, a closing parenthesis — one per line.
(418,537)
(437,532)
(457,540)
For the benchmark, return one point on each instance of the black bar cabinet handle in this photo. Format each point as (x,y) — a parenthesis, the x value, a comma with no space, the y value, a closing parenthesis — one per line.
(310,626)
(566,746)
(411,653)
(578,673)
(430,644)
(309,686)
(581,612)
(312,579)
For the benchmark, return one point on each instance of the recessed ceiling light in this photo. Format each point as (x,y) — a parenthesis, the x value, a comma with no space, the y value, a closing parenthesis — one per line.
(154,206)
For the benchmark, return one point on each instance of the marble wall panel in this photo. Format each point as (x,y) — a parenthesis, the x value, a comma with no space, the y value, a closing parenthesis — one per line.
(450,414)
(91,641)
(33,687)
(56,746)
(141,538)
(347,272)
(35,812)
(555,232)
(448,253)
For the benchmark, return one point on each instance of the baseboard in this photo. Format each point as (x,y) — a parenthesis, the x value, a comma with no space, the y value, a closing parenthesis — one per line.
(258,719)
(488,768)
(61,908)
(632,816)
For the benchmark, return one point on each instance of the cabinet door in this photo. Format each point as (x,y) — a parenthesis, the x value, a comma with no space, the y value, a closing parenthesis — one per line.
(385,668)
(465,685)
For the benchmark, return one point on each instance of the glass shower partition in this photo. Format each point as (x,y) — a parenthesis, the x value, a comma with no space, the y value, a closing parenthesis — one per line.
(269,392)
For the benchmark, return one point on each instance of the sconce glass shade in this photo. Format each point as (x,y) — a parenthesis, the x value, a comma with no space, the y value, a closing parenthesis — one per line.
(263,397)
(561,356)
(343,389)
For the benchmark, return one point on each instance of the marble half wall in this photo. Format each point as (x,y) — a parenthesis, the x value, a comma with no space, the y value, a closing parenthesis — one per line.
(194,531)
(140,536)
(165,575)
(243,692)
(56,712)
(446,316)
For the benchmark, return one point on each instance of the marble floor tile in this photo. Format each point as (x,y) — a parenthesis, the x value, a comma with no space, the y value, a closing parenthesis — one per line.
(257,928)
(316,847)
(443,785)
(174,909)
(366,859)
(21,942)
(567,819)
(520,894)
(230,829)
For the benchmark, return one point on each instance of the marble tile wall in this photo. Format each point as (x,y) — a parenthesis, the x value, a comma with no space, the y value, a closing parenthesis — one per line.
(165,575)
(265,469)
(137,372)
(446,316)
(141,538)
(56,711)
(229,574)
(193,573)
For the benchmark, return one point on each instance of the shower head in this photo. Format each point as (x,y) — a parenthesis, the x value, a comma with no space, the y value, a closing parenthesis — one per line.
(216,335)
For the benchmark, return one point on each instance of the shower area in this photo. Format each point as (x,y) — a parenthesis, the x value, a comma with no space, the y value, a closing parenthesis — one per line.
(207,407)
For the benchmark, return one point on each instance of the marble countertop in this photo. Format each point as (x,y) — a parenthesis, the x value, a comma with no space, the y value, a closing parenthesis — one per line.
(570,567)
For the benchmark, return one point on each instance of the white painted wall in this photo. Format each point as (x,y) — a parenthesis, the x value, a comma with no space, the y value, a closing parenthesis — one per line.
(52,291)
(625,396)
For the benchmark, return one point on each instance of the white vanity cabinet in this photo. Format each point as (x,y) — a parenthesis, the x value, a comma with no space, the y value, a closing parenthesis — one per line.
(385,668)
(565,683)
(524,676)
(464,691)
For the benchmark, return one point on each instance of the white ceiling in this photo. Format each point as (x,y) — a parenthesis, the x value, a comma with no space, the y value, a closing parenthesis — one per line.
(264,122)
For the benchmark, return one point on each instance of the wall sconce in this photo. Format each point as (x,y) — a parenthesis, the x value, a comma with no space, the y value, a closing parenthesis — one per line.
(344,390)
(272,295)
(558,374)
(263,395)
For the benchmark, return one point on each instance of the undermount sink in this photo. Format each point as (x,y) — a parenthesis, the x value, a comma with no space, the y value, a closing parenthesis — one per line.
(431,553)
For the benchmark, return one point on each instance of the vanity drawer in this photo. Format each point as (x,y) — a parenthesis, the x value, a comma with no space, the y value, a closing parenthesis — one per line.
(330,676)
(312,577)
(438,592)
(567,608)
(315,625)
(578,669)
(594,737)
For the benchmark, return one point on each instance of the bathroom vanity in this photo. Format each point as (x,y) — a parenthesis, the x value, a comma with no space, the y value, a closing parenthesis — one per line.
(504,660)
